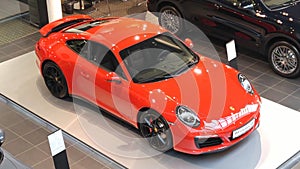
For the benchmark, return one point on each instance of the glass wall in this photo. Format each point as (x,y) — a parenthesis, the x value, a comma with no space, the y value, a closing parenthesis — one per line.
(14,21)
(13,8)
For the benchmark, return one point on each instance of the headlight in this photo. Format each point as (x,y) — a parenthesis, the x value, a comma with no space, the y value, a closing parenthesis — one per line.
(245,83)
(187,116)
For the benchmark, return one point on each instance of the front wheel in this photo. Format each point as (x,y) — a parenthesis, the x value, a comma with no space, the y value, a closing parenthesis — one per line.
(156,130)
(171,19)
(284,59)
(55,80)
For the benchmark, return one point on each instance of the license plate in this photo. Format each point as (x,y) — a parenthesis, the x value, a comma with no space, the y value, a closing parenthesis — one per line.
(240,131)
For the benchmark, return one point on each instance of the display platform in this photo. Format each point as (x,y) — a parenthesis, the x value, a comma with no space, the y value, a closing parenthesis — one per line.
(275,141)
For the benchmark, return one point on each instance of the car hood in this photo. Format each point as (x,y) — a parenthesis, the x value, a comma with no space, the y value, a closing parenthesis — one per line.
(211,89)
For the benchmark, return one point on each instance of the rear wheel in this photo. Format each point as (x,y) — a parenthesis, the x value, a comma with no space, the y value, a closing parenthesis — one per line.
(156,130)
(284,59)
(171,19)
(55,80)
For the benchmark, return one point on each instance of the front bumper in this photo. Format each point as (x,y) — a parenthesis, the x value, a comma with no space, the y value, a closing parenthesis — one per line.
(205,141)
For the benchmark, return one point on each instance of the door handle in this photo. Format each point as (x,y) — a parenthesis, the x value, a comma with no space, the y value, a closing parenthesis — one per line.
(85,75)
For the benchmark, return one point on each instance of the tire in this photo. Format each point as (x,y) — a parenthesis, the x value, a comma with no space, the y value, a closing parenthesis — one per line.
(171,19)
(156,130)
(55,80)
(284,59)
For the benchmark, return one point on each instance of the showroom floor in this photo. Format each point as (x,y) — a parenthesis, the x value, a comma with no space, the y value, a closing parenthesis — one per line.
(26,139)
(123,143)
(24,142)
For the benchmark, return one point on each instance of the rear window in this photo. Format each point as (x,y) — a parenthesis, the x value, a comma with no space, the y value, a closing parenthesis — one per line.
(86,26)
(64,25)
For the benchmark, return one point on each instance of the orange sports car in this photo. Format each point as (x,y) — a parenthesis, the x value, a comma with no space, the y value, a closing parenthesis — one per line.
(145,75)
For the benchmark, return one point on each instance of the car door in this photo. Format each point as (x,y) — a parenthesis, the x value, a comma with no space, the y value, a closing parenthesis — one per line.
(83,70)
(92,76)
(109,83)
(247,26)
(113,89)
(232,19)
(203,14)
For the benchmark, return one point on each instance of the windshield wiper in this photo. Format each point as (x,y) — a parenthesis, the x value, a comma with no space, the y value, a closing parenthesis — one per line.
(186,66)
(192,62)
(155,79)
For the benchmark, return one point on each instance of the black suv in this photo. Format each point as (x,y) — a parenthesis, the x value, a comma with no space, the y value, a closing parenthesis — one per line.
(271,27)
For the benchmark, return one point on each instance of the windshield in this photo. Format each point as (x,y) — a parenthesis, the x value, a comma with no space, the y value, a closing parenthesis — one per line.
(158,58)
(273,4)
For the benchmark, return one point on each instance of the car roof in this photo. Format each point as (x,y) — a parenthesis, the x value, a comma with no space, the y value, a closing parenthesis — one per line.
(122,32)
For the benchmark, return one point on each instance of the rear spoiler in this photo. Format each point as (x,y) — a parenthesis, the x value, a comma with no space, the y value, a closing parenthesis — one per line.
(60,24)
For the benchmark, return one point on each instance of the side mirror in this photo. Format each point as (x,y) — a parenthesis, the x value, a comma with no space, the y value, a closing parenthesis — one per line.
(189,42)
(113,77)
(2,137)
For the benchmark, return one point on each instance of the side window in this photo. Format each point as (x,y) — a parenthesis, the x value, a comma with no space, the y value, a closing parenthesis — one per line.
(230,2)
(97,54)
(101,56)
(241,4)
(110,63)
(78,46)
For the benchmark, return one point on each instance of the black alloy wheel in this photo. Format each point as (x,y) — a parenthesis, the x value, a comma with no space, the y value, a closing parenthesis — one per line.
(171,19)
(284,59)
(55,80)
(156,130)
